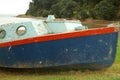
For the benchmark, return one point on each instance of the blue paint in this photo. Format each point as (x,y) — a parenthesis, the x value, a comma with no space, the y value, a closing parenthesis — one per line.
(97,51)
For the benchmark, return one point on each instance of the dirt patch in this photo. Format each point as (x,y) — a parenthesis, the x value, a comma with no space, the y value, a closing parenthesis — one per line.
(96,23)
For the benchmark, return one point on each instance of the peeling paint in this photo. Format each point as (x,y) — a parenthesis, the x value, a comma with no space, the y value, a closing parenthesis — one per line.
(9,48)
(66,50)
(106,43)
(100,40)
(110,51)
(75,50)
(22,48)
(8,24)
(8,57)
(40,62)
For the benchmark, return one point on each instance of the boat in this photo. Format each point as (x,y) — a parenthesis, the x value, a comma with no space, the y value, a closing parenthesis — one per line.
(55,42)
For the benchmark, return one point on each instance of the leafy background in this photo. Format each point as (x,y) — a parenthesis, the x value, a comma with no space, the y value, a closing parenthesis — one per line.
(79,9)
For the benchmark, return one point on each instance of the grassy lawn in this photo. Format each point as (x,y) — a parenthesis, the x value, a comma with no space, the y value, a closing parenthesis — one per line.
(118,52)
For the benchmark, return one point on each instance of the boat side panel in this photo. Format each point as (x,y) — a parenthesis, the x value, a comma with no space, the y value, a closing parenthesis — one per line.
(97,49)
(12,30)
(90,32)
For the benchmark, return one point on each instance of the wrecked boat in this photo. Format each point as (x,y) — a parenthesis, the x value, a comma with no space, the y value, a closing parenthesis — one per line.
(56,43)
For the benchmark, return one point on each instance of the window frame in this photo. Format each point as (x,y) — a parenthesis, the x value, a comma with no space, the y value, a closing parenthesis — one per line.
(21,34)
(4,34)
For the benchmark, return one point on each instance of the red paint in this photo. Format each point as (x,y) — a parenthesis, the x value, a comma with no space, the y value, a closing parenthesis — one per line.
(89,32)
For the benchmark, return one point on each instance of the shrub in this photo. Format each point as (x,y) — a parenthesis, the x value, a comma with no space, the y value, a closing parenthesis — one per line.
(106,11)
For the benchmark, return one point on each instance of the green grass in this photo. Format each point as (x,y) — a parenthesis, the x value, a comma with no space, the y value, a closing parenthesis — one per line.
(118,51)
(112,73)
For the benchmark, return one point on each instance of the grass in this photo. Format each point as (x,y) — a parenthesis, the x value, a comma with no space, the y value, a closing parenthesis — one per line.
(112,73)
(118,52)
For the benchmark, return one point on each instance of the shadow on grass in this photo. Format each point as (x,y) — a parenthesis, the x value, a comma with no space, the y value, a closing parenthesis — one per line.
(44,71)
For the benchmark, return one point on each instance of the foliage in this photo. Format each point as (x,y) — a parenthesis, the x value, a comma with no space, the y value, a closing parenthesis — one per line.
(81,9)
(105,10)
(83,14)
(65,8)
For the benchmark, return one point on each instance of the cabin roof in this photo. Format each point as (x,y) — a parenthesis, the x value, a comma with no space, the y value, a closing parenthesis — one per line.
(13,20)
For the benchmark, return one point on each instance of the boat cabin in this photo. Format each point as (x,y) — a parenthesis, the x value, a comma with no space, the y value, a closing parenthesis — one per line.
(21,30)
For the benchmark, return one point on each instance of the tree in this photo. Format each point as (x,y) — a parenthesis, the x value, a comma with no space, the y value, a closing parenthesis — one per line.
(65,8)
(80,9)
(32,9)
(105,10)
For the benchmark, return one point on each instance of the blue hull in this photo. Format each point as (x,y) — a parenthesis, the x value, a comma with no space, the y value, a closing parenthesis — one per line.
(95,52)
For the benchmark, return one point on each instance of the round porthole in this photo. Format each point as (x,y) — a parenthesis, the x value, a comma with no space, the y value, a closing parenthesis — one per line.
(2,33)
(21,30)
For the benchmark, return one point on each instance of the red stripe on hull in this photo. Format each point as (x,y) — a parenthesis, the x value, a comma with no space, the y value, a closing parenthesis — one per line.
(89,32)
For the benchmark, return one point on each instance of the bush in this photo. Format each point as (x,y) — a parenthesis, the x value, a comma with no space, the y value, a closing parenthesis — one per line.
(45,13)
(92,14)
(83,15)
(106,11)
(80,9)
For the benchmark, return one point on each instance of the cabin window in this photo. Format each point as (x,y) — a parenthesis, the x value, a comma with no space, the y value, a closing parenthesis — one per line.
(2,33)
(21,30)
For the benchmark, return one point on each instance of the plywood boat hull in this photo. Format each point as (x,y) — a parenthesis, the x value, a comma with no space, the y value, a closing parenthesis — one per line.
(94,49)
